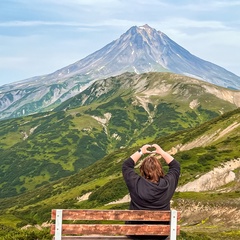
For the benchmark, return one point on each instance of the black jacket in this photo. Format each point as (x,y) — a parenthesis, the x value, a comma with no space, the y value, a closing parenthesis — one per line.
(147,195)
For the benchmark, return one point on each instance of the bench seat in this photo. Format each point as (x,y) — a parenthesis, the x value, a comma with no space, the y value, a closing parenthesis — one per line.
(110,224)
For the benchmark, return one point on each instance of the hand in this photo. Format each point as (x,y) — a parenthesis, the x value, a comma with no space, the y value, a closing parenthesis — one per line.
(145,147)
(158,149)
(167,157)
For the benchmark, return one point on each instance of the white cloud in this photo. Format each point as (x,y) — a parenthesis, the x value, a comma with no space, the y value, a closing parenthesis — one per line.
(205,5)
(7,62)
(35,23)
(224,4)
(186,23)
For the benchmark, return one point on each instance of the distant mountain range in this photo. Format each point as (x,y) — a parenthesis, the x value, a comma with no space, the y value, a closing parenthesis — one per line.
(140,49)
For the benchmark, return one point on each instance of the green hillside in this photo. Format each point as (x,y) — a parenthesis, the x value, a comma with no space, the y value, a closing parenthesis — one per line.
(71,157)
(103,183)
(114,113)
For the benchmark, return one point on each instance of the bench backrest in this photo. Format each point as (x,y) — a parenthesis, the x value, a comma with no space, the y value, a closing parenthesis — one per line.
(168,225)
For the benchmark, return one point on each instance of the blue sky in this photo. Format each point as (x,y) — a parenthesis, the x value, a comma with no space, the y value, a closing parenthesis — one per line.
(41,36)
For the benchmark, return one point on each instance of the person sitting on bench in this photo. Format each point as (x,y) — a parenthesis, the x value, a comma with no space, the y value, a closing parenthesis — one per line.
(152,190)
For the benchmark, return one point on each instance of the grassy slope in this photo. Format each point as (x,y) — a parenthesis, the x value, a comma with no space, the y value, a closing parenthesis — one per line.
(42,148)
(104,180)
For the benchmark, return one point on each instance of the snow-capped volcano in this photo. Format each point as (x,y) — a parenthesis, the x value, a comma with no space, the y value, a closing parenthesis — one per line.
(140,49)
(144,49)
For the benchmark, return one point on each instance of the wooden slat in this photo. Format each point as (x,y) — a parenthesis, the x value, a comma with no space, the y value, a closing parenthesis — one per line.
(94,237)
(115,229)
(120,215)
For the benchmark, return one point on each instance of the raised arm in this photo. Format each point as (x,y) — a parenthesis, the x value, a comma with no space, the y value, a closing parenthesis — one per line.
(143,150)
(166,156)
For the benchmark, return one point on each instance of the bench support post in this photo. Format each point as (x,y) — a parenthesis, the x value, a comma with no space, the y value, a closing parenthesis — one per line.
(173,228)
(58,225)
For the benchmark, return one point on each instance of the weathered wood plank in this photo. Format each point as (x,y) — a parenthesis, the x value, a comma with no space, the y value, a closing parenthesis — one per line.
(118,215)
(94,237)
(115,229)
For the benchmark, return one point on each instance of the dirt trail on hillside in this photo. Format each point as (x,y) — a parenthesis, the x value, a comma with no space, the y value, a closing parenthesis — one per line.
(205,140)
(214,179)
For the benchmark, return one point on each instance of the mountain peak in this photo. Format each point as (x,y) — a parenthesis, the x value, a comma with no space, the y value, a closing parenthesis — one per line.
(147,29)
(146,26)
(144,30)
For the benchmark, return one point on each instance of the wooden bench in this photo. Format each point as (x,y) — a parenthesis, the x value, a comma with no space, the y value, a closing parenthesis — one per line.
(99,224)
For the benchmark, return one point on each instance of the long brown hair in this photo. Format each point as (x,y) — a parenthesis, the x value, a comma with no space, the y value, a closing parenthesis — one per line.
(151,169)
